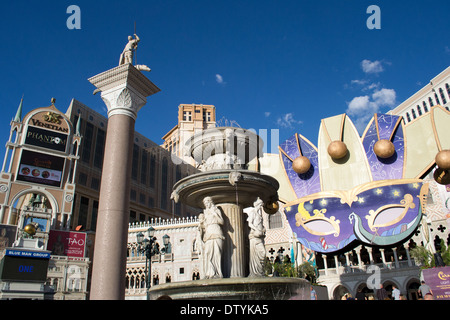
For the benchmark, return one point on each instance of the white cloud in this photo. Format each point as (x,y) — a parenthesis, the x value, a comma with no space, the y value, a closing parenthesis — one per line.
(371,66)
(288,121)
(219,79)
(359,82)
(384,97)
(267,114)
(362,108)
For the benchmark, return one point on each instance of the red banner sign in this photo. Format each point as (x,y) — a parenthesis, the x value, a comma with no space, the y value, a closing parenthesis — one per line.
(67,243)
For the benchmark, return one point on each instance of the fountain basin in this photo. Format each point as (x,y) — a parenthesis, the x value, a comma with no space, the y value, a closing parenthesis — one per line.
(244,144)
(258,288)
(216,184)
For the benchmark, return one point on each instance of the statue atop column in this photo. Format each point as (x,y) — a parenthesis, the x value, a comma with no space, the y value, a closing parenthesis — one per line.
(256,237)
(210,228)
(128,51)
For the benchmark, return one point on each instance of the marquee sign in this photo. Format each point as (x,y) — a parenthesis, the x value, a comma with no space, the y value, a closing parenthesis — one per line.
(47,130)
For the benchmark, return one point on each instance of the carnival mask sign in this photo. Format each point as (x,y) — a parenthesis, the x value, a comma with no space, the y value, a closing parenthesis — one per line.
(355,197)
(439,281)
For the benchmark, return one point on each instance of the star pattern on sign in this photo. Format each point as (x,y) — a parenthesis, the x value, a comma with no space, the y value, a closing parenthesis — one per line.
(379,191)
(395,193)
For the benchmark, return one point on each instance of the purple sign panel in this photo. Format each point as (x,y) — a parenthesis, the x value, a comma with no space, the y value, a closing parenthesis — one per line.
(439,281)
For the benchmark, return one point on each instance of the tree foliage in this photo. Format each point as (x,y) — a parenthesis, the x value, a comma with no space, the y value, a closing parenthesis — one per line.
(427,259)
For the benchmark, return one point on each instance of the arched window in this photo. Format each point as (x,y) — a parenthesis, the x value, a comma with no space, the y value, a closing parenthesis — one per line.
(430,101)
(419,110)
(413,113)
(408,117)
(448,89)
(425,108)
(441,92)
(437,99)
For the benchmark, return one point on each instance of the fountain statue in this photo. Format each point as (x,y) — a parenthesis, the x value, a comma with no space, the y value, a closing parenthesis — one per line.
(231,242)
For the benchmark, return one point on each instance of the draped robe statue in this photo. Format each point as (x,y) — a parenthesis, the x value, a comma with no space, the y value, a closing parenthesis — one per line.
(256,237)
(210,228)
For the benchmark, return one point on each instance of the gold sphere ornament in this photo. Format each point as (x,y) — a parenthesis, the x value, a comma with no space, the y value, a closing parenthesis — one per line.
(337,149)
(384,149)
(301,164)
(271,207)
(30,229)
(443,159)
(442,176)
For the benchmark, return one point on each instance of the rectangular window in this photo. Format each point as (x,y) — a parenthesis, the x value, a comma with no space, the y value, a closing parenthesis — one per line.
(94,215)
(152,171)
(187,116)
(132,216)
(144,166)
(134,169)
(99,149)
(83,213)
(87,143)
(142,198)
(95,184)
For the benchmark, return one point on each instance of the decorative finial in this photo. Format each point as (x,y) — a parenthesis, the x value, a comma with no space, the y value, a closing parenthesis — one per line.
(53,100)
(18,116)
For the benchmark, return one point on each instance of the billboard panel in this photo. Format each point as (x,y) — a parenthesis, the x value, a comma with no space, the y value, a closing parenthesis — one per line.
(23,268)
(7,236)
(40,168)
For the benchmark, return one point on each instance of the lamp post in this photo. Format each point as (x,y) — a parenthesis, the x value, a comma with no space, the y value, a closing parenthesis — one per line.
(150,247)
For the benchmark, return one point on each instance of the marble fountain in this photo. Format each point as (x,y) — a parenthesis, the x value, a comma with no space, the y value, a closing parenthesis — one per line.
(231,241)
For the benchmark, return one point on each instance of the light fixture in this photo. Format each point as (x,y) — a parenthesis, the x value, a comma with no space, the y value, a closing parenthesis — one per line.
(166,240)
(151,232)
(140,238)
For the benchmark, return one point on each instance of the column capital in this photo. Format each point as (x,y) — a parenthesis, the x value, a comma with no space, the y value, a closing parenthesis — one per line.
(124,89)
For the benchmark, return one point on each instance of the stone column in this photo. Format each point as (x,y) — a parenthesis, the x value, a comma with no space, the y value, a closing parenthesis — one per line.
(407,255)
(383,258)
(324,257)
(369,250)
(336,263)
(395,257)
(124,90)
(358,254)
(234,257)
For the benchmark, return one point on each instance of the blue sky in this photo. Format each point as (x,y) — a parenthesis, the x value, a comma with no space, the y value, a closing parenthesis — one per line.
(264,64)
